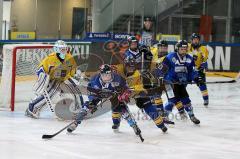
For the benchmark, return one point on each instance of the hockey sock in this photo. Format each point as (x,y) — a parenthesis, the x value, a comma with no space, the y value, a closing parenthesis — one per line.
(116,118)
(153,114)
(188,106)
(204,91)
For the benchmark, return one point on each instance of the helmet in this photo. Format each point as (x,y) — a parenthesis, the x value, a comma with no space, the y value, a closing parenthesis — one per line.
(195,35)
(106,73)
(162,48)
(162,43)
(61,48)
(195,44)
(105,68)
(131,39)
(181,43)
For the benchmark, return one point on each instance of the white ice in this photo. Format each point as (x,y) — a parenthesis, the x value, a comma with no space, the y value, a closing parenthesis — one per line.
(217,137)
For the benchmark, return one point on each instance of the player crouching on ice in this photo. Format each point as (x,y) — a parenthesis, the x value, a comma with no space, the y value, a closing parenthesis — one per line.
(55,74)
(108,85)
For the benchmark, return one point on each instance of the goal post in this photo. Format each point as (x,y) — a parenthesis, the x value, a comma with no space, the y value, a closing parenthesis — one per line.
(19,60)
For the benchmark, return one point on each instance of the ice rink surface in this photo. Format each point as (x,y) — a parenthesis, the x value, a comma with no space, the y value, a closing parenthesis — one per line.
(217,137)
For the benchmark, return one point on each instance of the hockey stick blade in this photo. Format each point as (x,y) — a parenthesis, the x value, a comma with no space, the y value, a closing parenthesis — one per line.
(141,138)
(51,136)
(47,136)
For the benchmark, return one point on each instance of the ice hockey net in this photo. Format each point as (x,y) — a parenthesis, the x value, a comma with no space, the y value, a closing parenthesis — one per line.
(19,72)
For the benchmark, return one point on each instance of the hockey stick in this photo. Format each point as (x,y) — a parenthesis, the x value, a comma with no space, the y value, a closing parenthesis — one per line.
(51,136)
(47,136)
(108,94)
(214,82)
(135,126)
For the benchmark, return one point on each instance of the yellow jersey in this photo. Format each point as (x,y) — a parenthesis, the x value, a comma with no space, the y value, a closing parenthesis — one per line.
(156,60)
(200,54)
(56,69)
(134,81)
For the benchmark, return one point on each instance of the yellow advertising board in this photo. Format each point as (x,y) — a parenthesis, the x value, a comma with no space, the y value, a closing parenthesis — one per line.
(168,37)
(23,36)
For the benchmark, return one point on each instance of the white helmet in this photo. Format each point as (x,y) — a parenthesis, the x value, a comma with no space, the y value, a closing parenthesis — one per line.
(61,48)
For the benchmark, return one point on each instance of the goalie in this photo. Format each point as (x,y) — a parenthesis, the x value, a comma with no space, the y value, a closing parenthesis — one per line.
(55,74)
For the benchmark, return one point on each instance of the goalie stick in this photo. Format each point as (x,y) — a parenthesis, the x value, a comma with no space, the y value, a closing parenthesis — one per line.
(48,100)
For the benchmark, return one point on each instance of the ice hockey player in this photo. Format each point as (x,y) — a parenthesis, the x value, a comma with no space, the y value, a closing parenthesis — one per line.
(200,55)
(108,84)
(54,73)
(158,56)
(146,35)
(179,71)
(137,63)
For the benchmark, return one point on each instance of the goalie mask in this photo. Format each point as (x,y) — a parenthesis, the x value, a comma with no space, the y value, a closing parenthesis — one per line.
(60,48)
(106,73)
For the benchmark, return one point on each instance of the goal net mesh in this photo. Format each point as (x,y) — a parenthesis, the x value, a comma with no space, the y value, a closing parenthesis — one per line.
(28,57)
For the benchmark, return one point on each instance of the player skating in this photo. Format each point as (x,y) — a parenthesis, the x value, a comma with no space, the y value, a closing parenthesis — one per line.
(108,84)
(179,71)
(136,66)
(159,55)
(200,56)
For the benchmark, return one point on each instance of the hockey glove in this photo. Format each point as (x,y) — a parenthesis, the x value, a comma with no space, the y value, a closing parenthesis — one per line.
(89,107)
(199,80)
(143,48)
(204,65)
(125,96)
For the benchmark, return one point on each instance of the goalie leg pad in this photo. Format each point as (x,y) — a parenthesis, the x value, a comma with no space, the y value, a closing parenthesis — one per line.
(41,83)
(39,102)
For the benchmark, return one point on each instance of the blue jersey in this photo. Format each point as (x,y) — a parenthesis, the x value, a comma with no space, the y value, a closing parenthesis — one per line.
(135,55)
(180,70)
(117,84)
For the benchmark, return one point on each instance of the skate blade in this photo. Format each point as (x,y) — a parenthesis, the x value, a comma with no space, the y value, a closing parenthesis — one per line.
(116,131)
